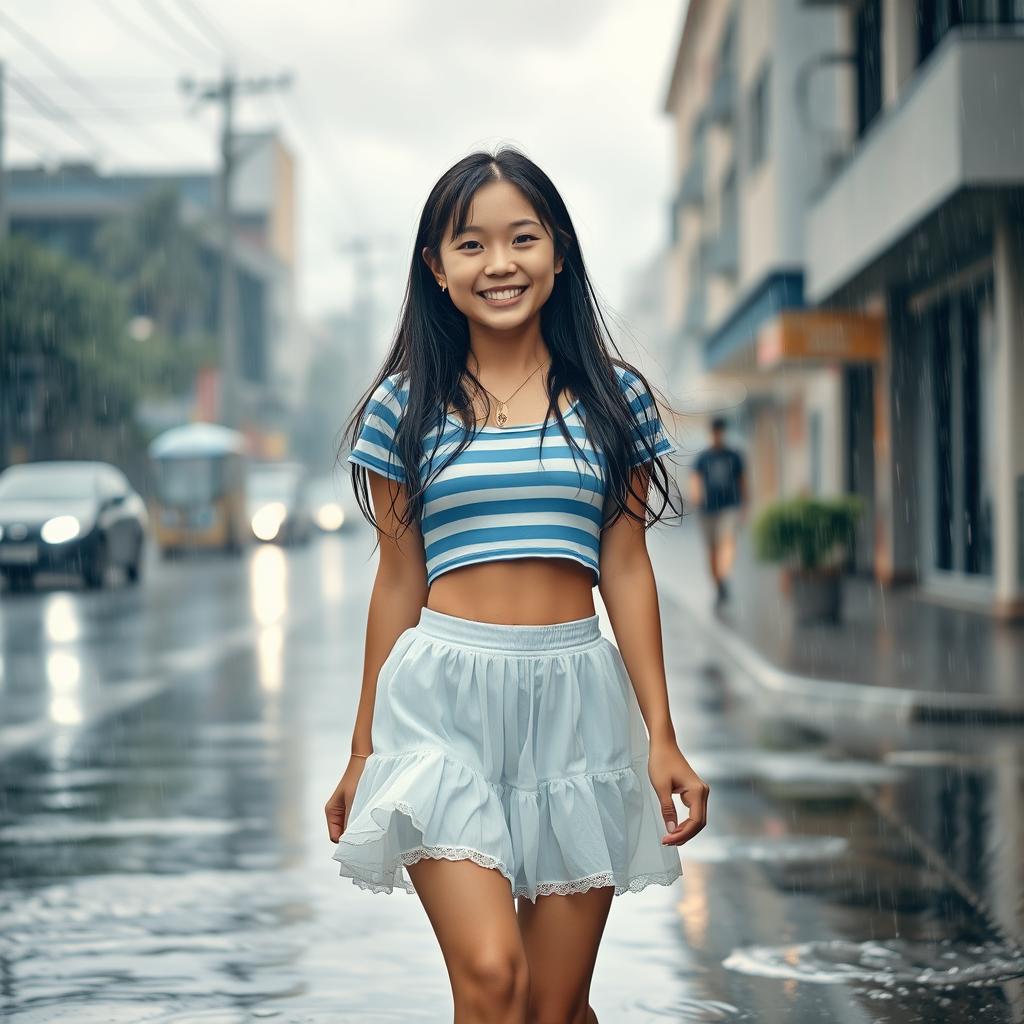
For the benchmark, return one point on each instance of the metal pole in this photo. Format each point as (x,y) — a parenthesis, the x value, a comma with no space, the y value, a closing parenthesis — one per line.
(230,369)
(3,179)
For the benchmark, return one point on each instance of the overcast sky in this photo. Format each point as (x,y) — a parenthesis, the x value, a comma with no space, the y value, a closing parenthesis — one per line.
(385,97)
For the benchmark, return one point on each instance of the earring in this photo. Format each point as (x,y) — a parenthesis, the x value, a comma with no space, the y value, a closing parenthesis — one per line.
(444,287)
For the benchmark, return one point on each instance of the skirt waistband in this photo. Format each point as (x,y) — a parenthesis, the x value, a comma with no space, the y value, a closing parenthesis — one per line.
(509,636)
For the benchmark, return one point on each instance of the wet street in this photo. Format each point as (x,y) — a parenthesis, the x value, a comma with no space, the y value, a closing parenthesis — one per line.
(166,751)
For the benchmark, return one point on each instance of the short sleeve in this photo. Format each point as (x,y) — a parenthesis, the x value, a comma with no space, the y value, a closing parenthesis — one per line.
(375,446)
(646,422)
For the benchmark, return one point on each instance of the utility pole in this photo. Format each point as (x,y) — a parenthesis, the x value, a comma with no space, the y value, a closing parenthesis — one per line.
(3,177)
(225,92)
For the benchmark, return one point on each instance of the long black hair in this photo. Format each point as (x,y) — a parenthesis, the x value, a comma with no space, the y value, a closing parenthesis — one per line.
(431,346)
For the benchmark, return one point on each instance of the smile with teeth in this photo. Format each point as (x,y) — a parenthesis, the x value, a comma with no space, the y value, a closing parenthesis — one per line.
(503,294)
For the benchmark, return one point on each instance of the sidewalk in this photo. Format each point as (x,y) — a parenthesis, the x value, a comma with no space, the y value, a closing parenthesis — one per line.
(894,654)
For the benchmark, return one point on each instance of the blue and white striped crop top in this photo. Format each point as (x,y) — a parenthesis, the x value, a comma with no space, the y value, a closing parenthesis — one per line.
(496,500)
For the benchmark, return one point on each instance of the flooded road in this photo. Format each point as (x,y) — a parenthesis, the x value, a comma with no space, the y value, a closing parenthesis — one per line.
(167,751)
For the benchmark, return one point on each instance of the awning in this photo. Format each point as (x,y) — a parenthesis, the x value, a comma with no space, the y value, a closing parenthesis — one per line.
(820,336)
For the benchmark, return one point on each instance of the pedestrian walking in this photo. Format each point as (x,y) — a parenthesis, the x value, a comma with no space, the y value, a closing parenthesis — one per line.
(509,764)
(718,488)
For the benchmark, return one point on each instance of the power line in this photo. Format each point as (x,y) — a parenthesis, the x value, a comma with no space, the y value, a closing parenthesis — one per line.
(158,13)
(45,54)
(53,112)
(31,141)
(206,25)
(155,44)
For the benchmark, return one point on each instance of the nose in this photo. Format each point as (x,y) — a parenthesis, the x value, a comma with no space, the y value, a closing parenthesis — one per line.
(500,263)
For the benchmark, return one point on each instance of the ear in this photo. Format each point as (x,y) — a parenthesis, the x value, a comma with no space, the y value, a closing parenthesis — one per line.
(435,266)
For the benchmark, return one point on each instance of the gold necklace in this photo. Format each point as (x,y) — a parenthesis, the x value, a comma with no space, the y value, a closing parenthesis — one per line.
(501,416)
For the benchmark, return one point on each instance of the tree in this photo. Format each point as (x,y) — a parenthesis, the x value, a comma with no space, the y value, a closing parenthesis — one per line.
(156,260)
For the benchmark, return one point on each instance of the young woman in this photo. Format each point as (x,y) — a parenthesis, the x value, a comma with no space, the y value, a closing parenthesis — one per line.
(503,748)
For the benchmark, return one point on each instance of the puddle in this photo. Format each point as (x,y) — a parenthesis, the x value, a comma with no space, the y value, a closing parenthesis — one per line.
(52,829)
(895,962)
(937,759)
(714,849)
(694,1011)
(791,768)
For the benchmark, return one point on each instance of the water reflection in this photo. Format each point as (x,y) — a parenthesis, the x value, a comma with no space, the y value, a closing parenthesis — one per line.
(64,676)
(61,620)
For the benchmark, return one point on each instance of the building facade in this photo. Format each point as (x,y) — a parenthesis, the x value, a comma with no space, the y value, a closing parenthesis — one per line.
(847,243)
(64,208)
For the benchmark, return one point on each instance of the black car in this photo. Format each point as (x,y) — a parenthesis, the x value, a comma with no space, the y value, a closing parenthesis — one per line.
(69,517)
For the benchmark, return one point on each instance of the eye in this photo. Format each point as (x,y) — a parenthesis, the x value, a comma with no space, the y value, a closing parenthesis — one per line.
(473,241)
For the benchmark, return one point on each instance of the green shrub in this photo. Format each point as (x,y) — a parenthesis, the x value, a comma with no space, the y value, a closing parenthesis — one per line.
(810,533)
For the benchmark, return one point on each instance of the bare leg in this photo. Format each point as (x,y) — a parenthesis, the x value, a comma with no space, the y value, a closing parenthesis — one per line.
(562,935)
(473,916)
(710,531)
(726,552)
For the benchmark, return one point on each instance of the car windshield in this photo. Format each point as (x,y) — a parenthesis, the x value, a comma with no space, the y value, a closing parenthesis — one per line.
(275,485)
(189,481)
(49,484)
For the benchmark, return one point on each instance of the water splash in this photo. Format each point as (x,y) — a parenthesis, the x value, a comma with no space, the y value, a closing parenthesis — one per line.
(891,963)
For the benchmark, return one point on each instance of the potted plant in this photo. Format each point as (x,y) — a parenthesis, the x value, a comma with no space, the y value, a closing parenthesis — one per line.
(811,538)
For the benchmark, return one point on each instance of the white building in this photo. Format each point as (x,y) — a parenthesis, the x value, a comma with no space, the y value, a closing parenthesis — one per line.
(847,244)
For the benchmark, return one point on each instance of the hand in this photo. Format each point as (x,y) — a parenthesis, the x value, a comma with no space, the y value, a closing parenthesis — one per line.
(670,773)
(340,800)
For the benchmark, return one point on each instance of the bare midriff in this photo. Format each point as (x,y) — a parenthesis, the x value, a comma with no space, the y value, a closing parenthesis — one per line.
(534,591)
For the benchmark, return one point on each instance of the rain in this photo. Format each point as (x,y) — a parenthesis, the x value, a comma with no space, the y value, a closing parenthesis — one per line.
(806,221)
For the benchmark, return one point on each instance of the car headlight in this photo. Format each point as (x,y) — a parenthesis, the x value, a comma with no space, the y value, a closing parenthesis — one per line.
(329,516)
(266,522)
(60,529)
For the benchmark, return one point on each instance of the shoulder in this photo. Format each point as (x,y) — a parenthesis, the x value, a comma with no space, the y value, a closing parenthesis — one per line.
(638,395)
(392,393)
(629,380)
(385,406)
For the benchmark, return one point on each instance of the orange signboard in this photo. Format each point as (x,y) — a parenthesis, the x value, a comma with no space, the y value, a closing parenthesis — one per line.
(821,336)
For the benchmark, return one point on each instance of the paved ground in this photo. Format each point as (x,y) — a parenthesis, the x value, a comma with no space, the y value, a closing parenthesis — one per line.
(165,754)
(889,637)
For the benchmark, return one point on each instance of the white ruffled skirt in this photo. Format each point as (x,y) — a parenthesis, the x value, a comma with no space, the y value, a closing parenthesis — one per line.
(519,747)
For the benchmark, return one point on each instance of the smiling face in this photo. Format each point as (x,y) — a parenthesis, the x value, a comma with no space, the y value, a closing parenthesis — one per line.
(501,269)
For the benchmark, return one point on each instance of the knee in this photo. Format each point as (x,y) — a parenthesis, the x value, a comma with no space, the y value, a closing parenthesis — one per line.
(495,978)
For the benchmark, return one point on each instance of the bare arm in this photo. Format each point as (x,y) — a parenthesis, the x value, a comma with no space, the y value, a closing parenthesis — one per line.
(399,592)
(630,594)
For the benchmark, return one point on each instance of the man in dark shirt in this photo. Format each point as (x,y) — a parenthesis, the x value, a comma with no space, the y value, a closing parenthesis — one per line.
(718,488)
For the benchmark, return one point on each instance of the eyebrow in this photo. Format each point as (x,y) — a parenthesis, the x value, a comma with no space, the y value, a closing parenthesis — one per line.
(513,224)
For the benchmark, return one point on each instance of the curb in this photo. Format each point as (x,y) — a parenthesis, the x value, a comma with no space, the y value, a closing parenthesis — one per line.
(828,703)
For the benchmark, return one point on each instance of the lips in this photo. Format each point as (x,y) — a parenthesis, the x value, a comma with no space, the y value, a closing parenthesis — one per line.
(503,296)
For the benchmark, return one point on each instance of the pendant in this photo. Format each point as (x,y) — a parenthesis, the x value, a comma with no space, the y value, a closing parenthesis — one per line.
(502,414)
